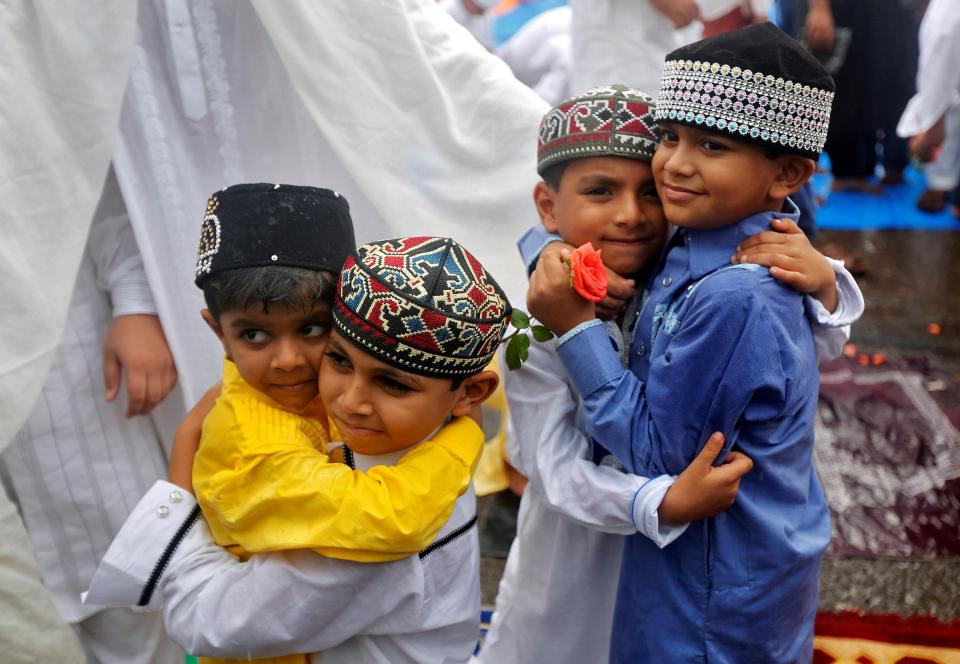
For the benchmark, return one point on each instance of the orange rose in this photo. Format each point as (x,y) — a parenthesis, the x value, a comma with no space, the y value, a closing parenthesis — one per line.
(588,276)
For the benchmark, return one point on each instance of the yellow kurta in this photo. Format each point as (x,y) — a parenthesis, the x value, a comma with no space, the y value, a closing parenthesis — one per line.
(265,483)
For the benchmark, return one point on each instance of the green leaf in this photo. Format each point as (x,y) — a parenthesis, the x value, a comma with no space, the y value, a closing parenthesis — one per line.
(523,347)
(519,319)
(513,354)
(541,334)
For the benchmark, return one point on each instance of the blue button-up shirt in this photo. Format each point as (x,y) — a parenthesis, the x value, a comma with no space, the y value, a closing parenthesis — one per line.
(716,348)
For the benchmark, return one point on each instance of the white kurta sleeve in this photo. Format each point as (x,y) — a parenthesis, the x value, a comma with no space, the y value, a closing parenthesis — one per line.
(552,450)
(938,77)
(113,248)
(832,330)
(215,605)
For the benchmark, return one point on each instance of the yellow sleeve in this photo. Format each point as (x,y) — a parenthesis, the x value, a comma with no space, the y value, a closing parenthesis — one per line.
(281,493)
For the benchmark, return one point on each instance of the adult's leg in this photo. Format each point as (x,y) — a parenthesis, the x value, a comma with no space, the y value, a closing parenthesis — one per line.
(31,630)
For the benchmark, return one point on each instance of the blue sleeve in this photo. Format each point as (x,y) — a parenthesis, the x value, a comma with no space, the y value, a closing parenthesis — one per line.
(722,367)
(533,242)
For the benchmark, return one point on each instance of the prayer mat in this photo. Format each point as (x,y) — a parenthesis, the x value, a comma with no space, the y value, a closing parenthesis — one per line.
(852,638)
(888,455)
(895,207)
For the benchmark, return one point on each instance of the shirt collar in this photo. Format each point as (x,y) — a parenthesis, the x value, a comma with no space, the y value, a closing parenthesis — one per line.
(711,249)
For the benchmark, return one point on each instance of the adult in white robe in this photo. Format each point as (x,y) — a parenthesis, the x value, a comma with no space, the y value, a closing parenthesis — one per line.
(78,465)
(64,70)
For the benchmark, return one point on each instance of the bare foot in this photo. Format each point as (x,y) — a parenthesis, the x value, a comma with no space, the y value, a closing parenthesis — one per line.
(933,200)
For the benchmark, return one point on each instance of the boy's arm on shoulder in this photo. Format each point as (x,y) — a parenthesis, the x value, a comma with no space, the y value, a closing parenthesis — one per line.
(282,492)
(553,452)
(197,579)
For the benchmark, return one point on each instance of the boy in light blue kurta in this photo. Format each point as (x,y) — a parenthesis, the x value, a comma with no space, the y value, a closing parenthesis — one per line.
(718,348)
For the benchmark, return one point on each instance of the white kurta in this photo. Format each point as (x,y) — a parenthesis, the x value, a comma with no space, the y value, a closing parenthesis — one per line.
(411,610)
(556,598)
(78,466)
(63,70)
(938,71)
(392,104)
(619,41)
(539,54)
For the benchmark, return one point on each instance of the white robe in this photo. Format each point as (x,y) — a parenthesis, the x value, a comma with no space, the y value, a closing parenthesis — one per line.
(938,71)
(393,104)
(78,466)
(620,41)
(63,69)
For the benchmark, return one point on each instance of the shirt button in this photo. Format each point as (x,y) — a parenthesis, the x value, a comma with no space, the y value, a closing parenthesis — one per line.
(666,281)
(163,511)
(175,496)
(642,351)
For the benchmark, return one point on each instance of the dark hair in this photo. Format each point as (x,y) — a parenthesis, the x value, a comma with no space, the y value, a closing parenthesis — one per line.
(553,174)
(293,287)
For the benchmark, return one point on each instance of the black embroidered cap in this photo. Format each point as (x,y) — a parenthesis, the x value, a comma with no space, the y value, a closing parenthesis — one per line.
(755,83)
(254,225)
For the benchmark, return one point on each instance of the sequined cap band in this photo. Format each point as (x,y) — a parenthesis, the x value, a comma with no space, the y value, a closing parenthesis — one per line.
(744,102)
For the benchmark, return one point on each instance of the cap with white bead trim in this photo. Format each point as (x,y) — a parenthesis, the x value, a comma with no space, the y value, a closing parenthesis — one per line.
(256,225)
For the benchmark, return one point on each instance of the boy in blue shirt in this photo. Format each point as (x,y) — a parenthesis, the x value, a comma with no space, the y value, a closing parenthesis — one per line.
(718,347)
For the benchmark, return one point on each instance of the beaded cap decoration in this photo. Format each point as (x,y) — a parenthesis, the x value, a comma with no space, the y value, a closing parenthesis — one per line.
(755,83)
(609,121)
(253,225)
(421,304)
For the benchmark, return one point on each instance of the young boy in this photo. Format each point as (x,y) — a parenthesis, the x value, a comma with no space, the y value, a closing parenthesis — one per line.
(415,320)
(262,476)
(731,345)
(557,595)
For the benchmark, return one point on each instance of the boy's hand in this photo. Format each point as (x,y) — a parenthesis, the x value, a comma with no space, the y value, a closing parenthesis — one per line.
(703,489)
(136,344)
(793,260)
(620,291)
(551,299)
(187,439)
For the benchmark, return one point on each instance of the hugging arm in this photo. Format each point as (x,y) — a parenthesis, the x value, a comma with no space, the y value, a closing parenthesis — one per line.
(214,605)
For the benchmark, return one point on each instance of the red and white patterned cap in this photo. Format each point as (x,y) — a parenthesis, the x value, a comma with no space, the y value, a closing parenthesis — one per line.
(609,121)
(421,304)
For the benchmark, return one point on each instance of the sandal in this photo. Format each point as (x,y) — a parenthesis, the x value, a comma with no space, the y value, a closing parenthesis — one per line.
(933,200)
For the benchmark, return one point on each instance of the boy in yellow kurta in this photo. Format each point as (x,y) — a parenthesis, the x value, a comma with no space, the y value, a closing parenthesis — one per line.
(262,474)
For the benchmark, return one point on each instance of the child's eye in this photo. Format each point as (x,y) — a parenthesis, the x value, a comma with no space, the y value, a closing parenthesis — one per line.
(255,336)
(337,359)
(597,191)
(713,146)
(314,330)
(394,385)
(668,136)
(650,193)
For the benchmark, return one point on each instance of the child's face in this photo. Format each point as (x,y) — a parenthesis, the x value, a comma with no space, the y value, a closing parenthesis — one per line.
(709,181)
(379,408)
(610,202)
(278,352)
